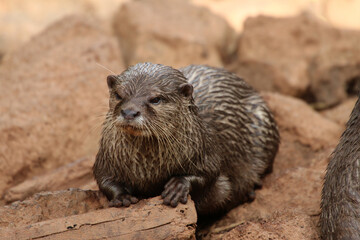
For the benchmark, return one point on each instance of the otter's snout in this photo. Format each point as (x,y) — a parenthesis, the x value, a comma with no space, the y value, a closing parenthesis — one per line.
(130,114)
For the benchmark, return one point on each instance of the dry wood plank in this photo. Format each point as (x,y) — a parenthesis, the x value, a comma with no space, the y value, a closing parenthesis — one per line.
(149,219)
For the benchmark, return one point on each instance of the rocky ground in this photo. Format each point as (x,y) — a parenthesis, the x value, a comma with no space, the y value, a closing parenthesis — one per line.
(53,97)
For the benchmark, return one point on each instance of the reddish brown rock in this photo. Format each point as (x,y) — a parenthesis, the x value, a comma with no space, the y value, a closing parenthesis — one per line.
(297,118)
(76,174)
(22,19)
(261,76)
(75,214)
(174,33)
(306,52)
(286,44)
(341,113)
(304,132)
(54,95)
(335,71)
(338,12)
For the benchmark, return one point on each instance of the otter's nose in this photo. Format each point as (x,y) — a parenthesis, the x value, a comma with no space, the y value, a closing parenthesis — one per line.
(130,114)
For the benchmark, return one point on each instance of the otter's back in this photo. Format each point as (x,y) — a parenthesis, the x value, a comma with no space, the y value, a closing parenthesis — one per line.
(240,117)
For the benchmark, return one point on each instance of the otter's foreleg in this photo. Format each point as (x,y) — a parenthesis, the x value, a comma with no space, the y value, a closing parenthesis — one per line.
(178,188)
(116,194)
(211,197)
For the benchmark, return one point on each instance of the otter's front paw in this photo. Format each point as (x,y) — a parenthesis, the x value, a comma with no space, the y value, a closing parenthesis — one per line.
(176,190)
(123,200)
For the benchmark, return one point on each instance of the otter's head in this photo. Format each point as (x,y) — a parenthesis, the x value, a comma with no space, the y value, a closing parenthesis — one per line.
(149,100)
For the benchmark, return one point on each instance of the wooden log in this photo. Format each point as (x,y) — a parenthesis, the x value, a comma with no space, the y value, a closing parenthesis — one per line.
(148,219)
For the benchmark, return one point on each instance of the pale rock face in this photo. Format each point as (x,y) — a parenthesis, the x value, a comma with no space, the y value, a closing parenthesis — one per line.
(52,95)
(340,114)
(22,19)
(173,33)
(311,57)
(338,13)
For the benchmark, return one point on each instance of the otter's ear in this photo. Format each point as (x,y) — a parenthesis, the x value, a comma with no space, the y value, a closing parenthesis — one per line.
(111,80)
(186,89)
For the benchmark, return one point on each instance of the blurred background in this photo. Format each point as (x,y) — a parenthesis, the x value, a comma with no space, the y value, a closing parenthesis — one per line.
(303,56)
(20,19)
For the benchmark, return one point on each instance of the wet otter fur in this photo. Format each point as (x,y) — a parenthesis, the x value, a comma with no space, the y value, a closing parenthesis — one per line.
(340,205)
(197,130)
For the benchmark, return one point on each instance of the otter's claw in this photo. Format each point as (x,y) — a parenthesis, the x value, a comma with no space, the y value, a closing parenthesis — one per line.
(123,200)
(176,190)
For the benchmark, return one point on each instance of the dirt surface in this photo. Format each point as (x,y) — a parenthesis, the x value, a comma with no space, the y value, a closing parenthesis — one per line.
(53,99)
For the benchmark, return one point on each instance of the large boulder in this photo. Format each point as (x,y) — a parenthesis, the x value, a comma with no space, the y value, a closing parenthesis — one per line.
(301,122)
(304,132)
(53,97)
(261,76)
(341,113)
(315,60)
(22,19)
(335,71)
(286,44)
(172,32)
(338,12)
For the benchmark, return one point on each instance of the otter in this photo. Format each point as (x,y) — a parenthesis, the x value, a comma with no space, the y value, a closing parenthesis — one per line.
(198,130)
(340,203)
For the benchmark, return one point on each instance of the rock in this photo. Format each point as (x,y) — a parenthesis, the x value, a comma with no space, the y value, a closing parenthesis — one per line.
(335,71)
(21,19)
(284,43)
(173,33)
(305,51)
(54,95)
(75,175)
(337,12)
(148,219)
(298,119)
(341,113)
(236,11)
(304,132)
(261,76)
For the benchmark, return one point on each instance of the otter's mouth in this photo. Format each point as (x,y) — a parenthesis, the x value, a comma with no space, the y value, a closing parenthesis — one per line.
(132,130)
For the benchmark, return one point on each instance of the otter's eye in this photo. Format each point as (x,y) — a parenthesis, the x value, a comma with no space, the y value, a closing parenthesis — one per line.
(117,96)
(155,100)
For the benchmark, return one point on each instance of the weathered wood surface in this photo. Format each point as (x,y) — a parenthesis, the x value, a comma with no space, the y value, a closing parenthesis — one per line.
(148,219)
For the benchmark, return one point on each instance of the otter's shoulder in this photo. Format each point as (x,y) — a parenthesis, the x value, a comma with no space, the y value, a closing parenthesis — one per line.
(203,75)
(201,70)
